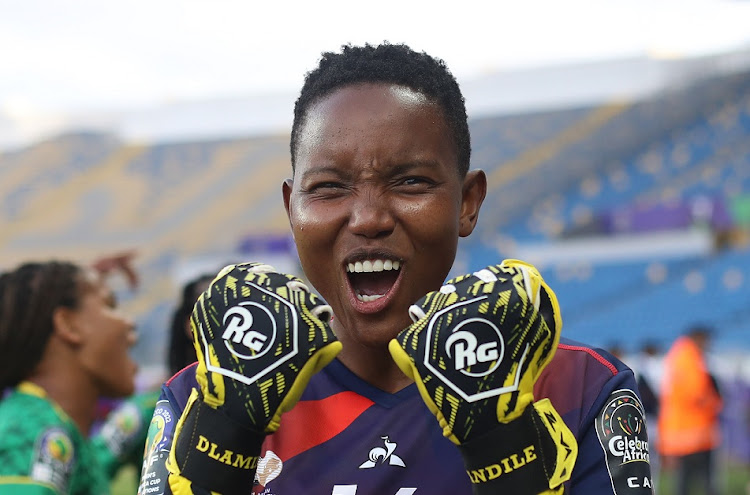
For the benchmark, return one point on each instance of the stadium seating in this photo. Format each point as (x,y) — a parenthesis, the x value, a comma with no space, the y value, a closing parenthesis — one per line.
(693,171)
(552,175)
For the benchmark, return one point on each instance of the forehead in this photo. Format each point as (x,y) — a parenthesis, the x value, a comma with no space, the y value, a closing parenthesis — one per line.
(392,117)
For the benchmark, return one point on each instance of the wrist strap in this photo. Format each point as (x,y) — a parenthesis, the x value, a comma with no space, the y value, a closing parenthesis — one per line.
(521,456)
(215,452)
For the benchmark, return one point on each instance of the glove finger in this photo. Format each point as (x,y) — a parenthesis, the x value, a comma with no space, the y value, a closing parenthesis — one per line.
(416,313)
(544,298)
(531,284)
(317,308)
(260,268)
(323,312)
(297,284)
(546,304)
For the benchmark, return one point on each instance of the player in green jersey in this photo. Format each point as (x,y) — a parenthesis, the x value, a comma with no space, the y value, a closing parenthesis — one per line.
(64,345)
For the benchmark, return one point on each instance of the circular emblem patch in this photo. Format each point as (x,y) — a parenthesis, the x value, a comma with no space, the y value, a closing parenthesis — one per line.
(622,434)
(53,459)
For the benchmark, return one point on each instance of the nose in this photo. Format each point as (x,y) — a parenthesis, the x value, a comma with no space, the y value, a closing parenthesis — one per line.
(371,215)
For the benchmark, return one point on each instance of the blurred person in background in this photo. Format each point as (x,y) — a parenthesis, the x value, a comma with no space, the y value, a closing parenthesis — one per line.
(181,352)
(64,346)
(647,366)
(689,430)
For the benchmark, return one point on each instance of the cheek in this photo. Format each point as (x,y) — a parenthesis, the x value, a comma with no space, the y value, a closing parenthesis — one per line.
(433,221)
(120,377)
(305,215)
(109,363)
(113,344)
(313,226)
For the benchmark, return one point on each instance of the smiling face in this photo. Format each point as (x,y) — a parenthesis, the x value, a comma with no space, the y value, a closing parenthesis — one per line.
(377,205)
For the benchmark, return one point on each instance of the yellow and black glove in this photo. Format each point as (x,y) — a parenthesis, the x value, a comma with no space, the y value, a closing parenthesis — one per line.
(259,336)
(475,350)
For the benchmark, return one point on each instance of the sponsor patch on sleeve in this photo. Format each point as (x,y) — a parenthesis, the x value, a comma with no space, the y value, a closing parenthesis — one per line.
(53,458)
(158,442)
(121,429)
(621,429)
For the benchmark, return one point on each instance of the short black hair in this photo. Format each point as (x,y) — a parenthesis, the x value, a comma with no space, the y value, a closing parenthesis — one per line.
(393,64)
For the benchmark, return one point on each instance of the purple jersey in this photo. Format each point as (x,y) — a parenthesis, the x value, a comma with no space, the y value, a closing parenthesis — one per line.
(346,437)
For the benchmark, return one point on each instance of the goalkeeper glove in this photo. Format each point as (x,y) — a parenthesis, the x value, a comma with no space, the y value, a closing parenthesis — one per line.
(475,350)
(259,336)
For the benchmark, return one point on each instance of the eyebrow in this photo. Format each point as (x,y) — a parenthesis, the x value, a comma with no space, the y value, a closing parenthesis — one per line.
(328,169)
(400,169)
(412,164)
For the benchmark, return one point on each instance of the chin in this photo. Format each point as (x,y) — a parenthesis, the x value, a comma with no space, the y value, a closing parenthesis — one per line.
(128,388)
(124,385)
(118,391)
(379,335)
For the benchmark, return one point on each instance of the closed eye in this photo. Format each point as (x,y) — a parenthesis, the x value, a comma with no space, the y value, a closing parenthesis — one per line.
(415,181)
(326,188)
(327,185)
(323,180)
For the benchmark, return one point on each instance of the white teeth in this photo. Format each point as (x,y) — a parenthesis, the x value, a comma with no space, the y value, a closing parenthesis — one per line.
(364,298)
(369,266)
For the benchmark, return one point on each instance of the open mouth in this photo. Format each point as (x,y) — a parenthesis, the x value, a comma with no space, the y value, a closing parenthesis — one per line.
(372,279)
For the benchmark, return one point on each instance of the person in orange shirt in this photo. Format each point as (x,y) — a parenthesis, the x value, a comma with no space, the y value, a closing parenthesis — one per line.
(689,430)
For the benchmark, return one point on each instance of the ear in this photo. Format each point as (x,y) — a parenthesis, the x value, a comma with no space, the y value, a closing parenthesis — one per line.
(188,330)
(474,191)
(66,326)
(286,191)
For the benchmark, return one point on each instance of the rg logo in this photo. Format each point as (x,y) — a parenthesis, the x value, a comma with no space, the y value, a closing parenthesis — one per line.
(239,332)
(467,351)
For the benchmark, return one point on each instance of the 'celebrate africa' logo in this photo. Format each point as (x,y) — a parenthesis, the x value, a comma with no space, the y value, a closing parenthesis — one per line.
(622,435)
(622,424)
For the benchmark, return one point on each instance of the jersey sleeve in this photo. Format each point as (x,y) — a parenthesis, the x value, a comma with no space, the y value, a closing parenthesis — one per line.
(121,439)
(613,445)
(40,464)
(154,474)
(155,478)
(24,486)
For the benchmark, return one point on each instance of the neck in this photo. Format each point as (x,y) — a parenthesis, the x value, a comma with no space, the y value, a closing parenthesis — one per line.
(374,365)
(71,394)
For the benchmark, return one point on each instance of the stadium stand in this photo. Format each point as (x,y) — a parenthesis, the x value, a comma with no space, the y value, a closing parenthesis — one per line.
(675,161)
